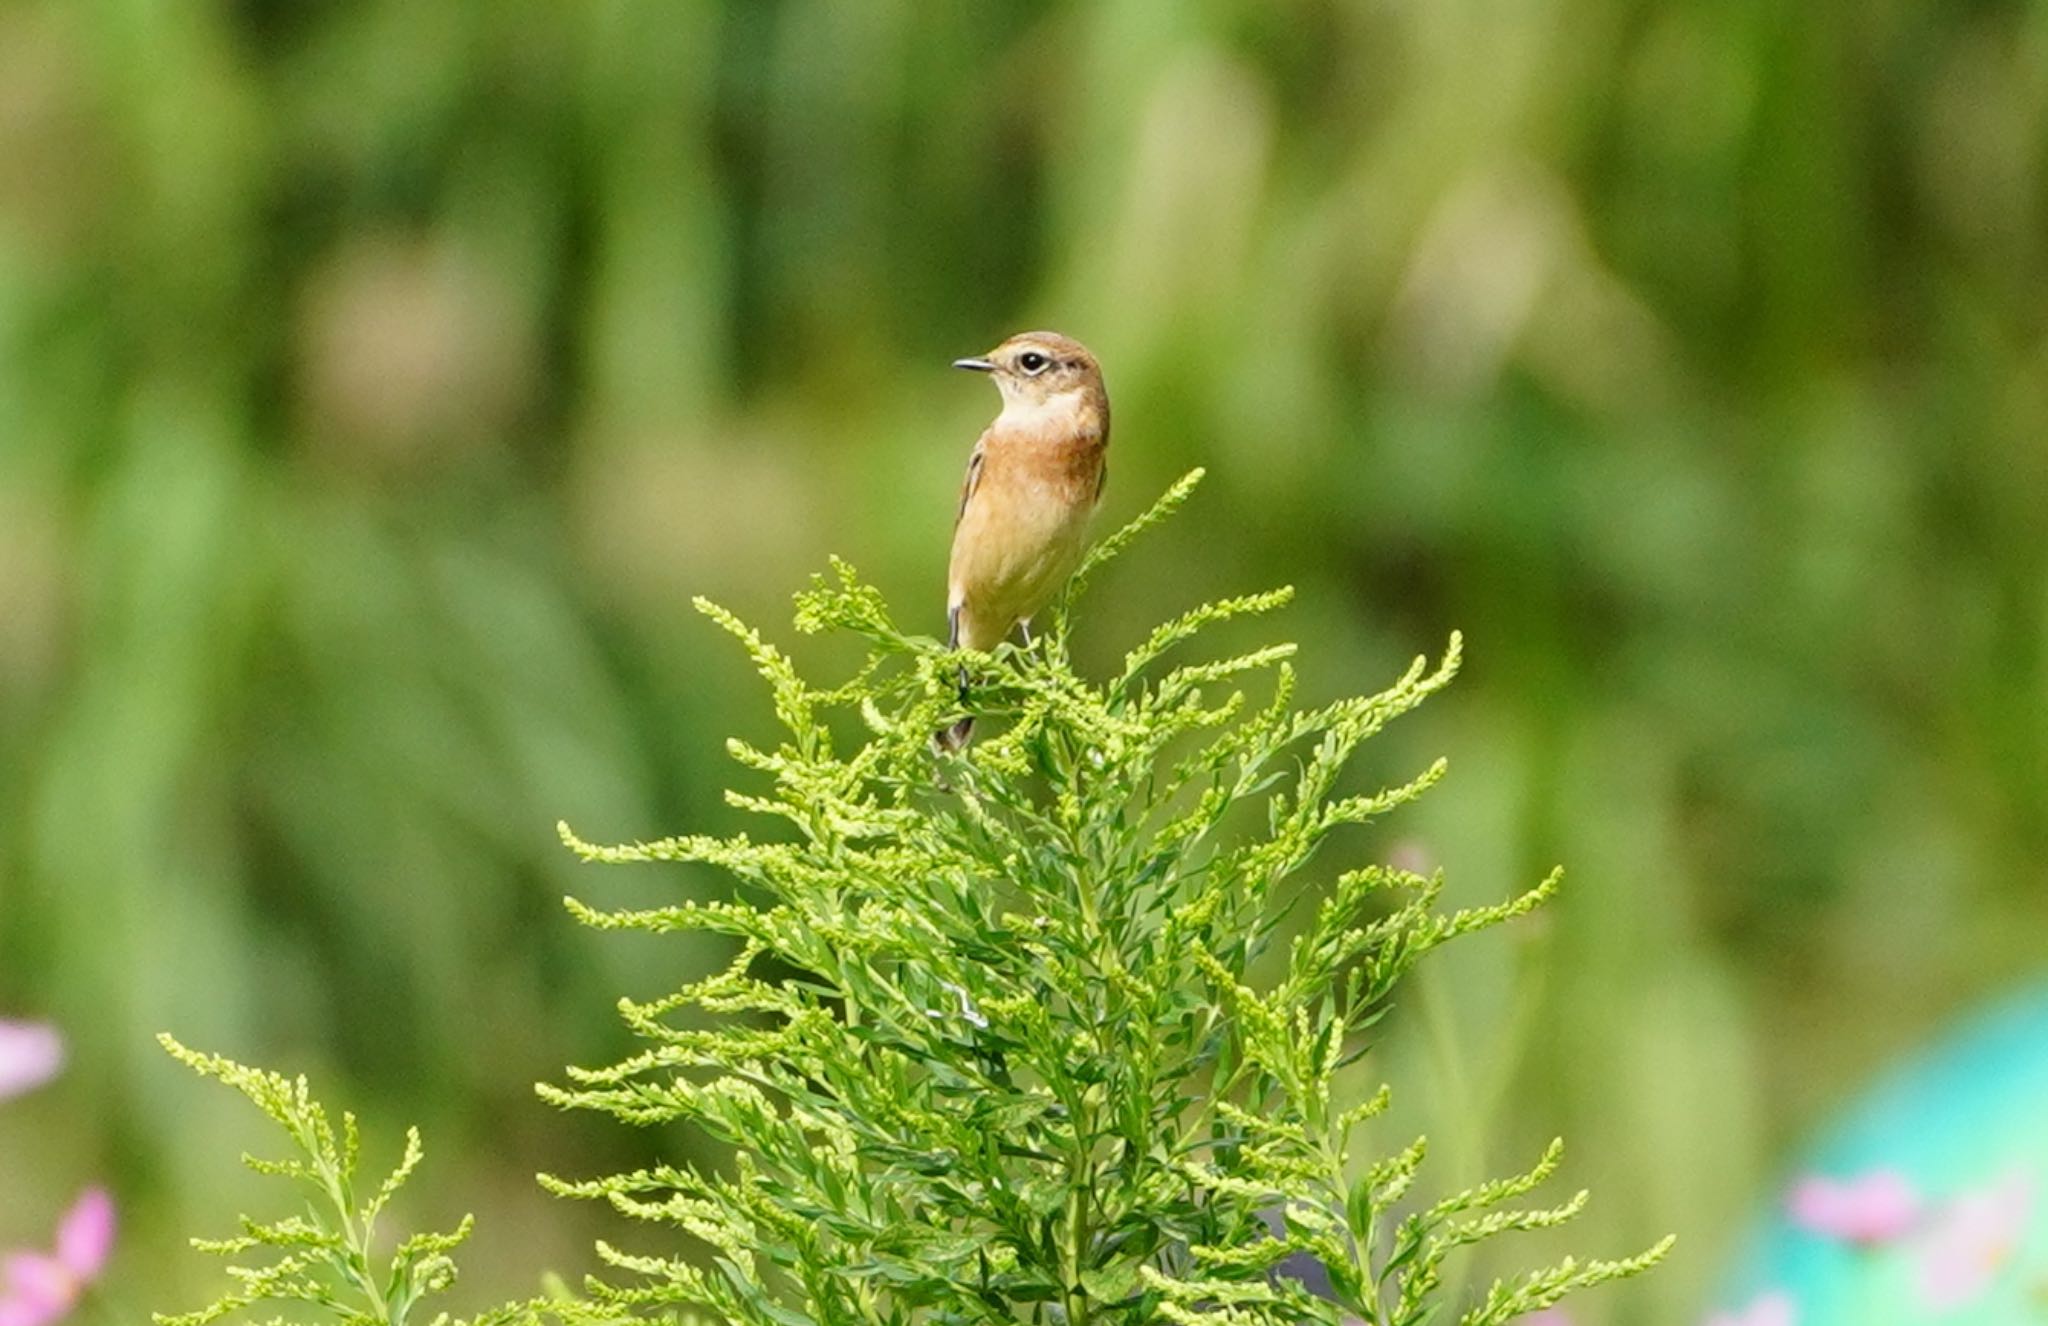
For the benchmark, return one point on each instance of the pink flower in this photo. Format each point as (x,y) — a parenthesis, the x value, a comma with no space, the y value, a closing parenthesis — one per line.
(30,1055)
(1413,856)
(1547,1317)
(44,1287)
(1872,1208)
(1772,1309)
(1971,1241)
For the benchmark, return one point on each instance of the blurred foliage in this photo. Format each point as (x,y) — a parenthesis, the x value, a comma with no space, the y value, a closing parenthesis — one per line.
(378,381)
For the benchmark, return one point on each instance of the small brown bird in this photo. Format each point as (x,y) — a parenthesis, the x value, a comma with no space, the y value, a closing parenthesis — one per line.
(1032,482)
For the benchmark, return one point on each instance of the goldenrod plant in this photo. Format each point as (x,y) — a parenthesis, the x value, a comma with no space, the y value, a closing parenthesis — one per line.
(324,1257)
(1063,1028)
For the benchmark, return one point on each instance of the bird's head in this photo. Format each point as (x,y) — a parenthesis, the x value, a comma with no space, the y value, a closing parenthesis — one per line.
(1041,370)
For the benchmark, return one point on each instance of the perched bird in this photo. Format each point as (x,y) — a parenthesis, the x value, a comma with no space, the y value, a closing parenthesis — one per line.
(1032,482)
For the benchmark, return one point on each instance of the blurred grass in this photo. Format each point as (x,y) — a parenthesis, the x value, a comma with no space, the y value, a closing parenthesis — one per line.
(378,381)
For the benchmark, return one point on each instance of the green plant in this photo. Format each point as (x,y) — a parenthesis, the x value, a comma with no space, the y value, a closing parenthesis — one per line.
(1017,1034)
(324,1258)
(1042,1032)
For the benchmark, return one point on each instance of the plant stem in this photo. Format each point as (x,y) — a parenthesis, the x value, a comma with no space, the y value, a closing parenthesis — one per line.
(1072,1297)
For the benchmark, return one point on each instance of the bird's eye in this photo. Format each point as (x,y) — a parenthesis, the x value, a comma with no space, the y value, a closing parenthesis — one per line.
(1033,362)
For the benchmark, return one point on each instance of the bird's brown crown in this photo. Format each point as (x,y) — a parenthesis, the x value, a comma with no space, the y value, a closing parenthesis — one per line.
(1037,369)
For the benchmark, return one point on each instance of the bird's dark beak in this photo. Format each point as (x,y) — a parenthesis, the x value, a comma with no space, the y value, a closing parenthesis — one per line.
(977,365)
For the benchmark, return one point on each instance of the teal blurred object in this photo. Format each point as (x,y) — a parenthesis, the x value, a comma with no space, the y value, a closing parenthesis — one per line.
(1965,1124)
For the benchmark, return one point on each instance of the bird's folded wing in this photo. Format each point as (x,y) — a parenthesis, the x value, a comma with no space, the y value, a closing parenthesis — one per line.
(968,485)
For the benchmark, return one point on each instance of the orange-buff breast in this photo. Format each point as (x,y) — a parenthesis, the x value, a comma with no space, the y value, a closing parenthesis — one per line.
(1021,529)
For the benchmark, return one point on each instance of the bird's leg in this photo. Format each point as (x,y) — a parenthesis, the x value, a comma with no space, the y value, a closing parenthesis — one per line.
(1024,629)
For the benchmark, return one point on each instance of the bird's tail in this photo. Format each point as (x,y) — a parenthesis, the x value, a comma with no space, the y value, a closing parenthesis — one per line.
(953,738)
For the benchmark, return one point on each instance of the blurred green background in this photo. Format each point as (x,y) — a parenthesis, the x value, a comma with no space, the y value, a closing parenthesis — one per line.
(378,381)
